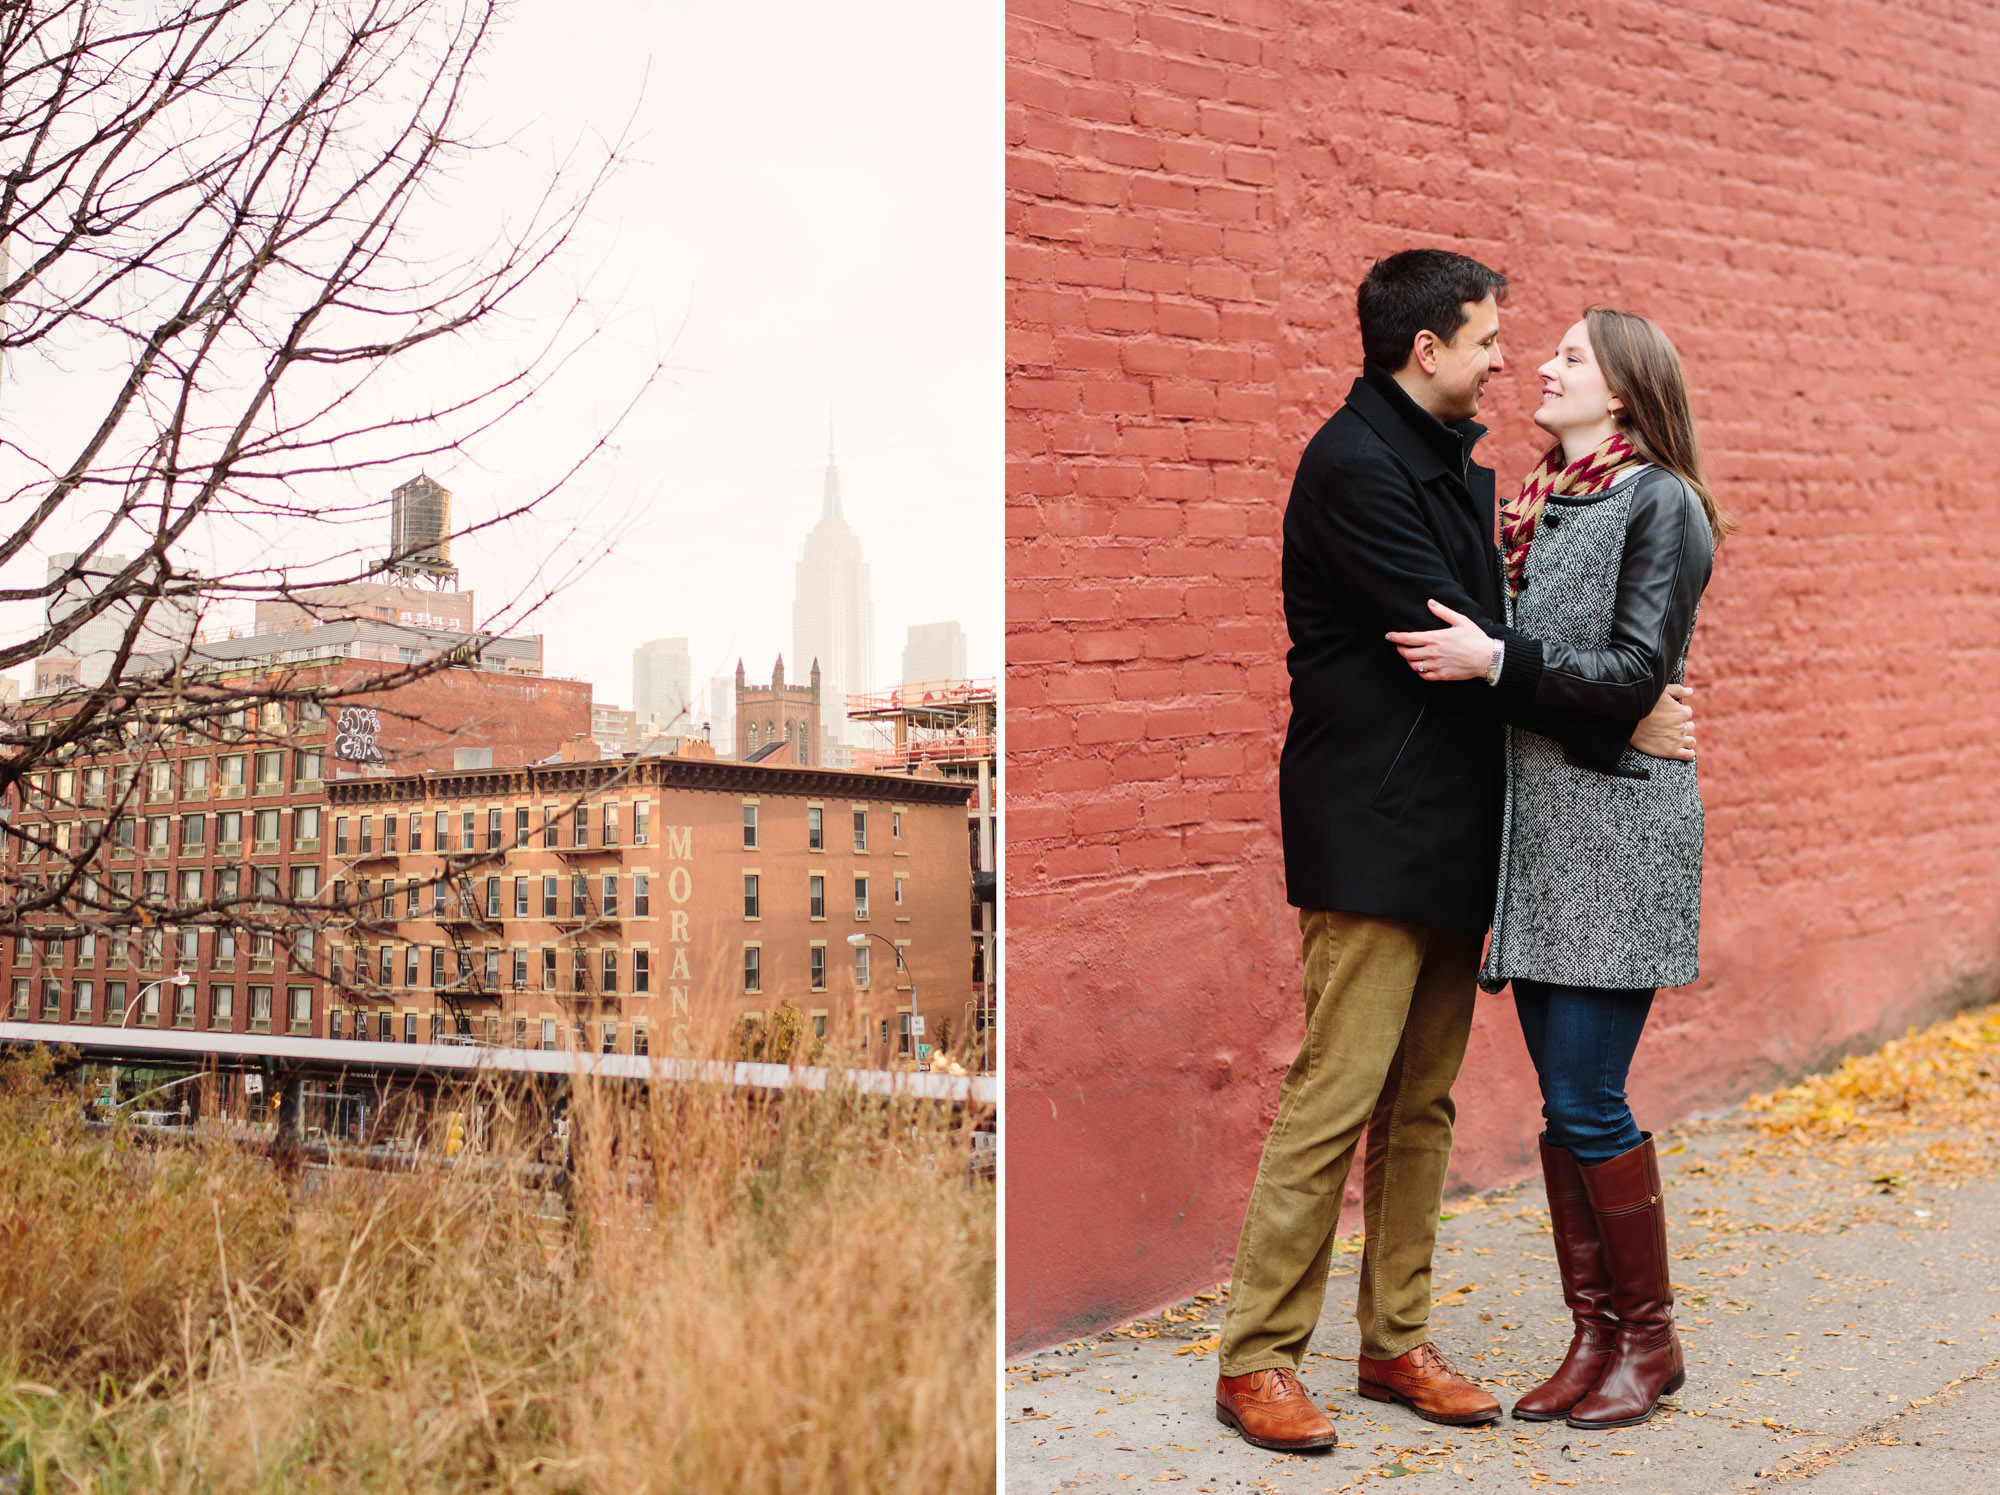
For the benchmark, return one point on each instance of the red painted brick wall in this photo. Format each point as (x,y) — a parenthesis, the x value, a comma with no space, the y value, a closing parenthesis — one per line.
(1803,197)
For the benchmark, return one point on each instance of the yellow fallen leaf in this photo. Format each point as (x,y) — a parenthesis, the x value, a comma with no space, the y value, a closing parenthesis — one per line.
(1201,1346)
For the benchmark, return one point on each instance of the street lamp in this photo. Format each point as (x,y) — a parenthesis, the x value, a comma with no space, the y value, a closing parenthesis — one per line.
(861,938)
(179,978)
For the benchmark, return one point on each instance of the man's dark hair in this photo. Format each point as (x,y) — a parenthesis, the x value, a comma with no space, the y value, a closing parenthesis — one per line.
(1419,290)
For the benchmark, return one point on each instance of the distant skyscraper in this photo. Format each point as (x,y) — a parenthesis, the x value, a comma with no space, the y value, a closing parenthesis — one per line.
(663,685)
(168,630)
(420,528)
(935,651)
(833,613)
(722,715)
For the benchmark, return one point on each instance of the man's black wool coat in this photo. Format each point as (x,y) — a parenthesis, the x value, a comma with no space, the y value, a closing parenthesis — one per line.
(1390,787)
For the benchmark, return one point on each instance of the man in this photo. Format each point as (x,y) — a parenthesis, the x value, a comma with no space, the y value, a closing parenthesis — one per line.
(1390,789)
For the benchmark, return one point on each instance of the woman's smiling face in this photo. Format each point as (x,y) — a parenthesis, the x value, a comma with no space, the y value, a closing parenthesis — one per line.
(1575,399)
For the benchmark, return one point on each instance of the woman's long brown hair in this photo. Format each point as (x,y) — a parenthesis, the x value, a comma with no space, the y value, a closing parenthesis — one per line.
(1643,370)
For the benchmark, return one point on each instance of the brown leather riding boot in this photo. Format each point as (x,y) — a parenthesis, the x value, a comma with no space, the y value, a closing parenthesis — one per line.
(1270,1408)
(1586,1284)
(1645,1362)
(1425,1382)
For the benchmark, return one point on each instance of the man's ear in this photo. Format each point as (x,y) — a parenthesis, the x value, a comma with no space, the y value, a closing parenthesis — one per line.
(1425,351)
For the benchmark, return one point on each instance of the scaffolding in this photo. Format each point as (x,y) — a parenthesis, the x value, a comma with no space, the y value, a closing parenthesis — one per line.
(950,728)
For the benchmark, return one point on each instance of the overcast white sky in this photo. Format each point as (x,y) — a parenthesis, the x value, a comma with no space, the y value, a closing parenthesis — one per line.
(809,223)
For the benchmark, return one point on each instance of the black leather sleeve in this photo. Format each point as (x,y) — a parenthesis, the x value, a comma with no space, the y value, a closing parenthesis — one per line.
(1666,564)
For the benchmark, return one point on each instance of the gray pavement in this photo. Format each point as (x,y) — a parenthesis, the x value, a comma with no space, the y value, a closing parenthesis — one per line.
(1840,1307)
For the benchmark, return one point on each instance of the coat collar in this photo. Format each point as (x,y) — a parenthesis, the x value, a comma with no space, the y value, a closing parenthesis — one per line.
(1432,448)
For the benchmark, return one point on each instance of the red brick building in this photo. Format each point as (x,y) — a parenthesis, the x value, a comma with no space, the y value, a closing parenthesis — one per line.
(1193,192)
(228,818)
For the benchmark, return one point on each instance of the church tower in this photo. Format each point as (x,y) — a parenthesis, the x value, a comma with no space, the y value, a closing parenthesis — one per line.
(833,609)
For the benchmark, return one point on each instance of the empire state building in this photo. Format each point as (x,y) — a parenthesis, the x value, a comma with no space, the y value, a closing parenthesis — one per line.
(833,612)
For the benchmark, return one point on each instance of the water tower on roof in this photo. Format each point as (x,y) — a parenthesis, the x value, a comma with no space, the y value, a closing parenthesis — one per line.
(420,531)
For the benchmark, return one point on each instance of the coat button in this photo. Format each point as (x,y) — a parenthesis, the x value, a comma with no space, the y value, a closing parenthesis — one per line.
(1553,520)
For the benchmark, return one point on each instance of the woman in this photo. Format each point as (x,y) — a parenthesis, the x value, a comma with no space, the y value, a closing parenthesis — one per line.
(1607,549)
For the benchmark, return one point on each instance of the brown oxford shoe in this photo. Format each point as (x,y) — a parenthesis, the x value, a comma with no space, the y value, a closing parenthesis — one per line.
(1270,1408)
(1424,1381)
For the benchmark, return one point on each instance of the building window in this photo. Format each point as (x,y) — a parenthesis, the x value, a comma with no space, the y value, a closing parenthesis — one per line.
(520,897)
(340,835)
(18,1006)
(753,974)
(818,959)
(412,957)
(579,826)
(751,902)
(895,825)
(260,1008)
(159,782)
(860,830)
(157,828)
(221,1006)
(191,886)
(493,830)
(51,1001)
(899,892)
(579,970)
(441,831)
(642,895)
(815,828)
(549,896)
(307,768)
(305,828)
(270,773)
(816,896)
(388,898)
(437,967)
(387,968)
(608,1032)
(491,973)
(639,1046)
(579,896)
(611,825)
(861,966)
(548,970)
(80,1009)
(548,1033)
(336,1027)
(409,1027)
(549,823)
(902,1032)
(521,825)
(642,829)
(609,973)
(468,838)
(610,893)
(438,900)
(860,897)
(194,779)
(184,1005)
(388,835)
(749,827)
(642,970)
(520,973)
(493,898)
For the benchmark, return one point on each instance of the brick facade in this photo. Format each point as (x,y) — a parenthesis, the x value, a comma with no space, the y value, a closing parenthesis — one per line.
(648,904)
(1193,191)
(231,818)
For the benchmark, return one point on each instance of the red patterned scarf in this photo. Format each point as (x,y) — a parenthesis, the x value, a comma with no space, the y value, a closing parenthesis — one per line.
(1591,473)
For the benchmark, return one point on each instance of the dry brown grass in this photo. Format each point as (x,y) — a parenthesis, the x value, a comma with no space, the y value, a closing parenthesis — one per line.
(735,1297)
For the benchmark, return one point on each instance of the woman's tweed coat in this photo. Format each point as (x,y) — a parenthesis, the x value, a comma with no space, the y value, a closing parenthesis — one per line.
(1600,874)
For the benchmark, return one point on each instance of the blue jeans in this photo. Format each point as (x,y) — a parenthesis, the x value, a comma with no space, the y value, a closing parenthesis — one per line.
(1582,1039)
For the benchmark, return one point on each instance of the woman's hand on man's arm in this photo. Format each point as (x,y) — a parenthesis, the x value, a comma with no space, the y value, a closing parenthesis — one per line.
(1461,651)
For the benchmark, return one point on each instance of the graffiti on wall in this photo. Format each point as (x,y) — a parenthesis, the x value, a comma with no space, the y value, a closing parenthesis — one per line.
(355,733)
